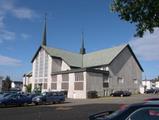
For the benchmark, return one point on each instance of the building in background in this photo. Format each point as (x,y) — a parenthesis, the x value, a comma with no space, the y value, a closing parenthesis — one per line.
(27,79)
(1,79)
(103,71)
(16,85)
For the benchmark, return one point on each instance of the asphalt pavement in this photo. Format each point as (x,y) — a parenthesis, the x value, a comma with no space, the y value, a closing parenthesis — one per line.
(71,110)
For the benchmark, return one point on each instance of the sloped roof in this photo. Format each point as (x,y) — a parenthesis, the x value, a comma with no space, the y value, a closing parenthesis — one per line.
(72,59)
(102,57)
(98,58)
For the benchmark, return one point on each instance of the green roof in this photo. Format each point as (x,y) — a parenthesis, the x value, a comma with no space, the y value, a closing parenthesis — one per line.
(72,59)
(98,58)
(102,57)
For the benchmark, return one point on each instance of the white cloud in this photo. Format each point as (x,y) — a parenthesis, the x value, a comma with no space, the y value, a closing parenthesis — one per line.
(19,12)
(23,13)
(147,47)
(8,61)
(25,36)
(8,7)
(6,35)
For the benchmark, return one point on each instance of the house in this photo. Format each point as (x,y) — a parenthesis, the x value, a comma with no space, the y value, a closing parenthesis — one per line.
(1,79)
(103,71)
(150,84)
(27,79)
(16,85)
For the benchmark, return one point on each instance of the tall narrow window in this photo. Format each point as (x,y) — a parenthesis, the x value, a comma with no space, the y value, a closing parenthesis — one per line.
(41,67)
(65,79)
(79,78)
(105,81)
(54,82)
(46,65)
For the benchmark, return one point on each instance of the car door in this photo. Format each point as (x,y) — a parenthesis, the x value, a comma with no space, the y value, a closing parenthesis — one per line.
(146,113)
(13,100)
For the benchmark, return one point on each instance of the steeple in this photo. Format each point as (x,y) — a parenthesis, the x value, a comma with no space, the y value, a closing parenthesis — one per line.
(82,50)
(44,33)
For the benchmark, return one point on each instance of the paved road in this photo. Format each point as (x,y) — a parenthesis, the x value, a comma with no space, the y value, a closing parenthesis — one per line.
(79,112)
(71,110)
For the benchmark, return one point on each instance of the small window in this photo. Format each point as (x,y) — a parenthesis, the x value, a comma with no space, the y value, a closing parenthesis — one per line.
(135,81)
(64,86)
(78,85)
(120,80)
(54,78)
(45,86)
(65,77)
(54,86)
(79,76)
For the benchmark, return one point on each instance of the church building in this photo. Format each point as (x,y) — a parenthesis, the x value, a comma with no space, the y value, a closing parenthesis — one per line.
(103,71)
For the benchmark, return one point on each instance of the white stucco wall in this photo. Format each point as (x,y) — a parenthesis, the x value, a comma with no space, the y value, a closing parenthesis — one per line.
(76,94)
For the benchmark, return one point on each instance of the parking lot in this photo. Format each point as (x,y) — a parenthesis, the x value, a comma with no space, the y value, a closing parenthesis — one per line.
(70,110)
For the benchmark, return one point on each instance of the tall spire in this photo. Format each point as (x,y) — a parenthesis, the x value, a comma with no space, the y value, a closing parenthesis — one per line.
(44,32)
(82,50)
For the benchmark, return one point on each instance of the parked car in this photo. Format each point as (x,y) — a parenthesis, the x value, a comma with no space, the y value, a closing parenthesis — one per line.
(4,94)
(139,111)
(152,91)
(49,97)
(14,99)
(121,93)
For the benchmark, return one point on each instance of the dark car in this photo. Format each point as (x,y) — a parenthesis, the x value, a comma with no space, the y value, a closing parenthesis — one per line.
(140,111)
(49,97)
(152,91)
(121,93)
(4,94)
(14,99)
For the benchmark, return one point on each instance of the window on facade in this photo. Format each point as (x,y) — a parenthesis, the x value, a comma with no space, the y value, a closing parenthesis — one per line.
(78,86)
(79,76)
(44,85)
(46,65)
(36,66)
(41,67)
(64,86)
(120,80)
(53,86)
(54,78)
(135,81)
(45,80)
(105,81)
(65,77)
(40,80)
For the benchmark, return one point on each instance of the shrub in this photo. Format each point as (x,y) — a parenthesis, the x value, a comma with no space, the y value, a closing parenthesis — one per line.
(92,94)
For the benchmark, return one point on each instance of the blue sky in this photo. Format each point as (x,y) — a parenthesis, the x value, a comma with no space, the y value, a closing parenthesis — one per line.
(22,21)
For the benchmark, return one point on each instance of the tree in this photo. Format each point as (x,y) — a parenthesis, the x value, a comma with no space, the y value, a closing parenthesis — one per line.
(6,84)
(143,13)
(28,87)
